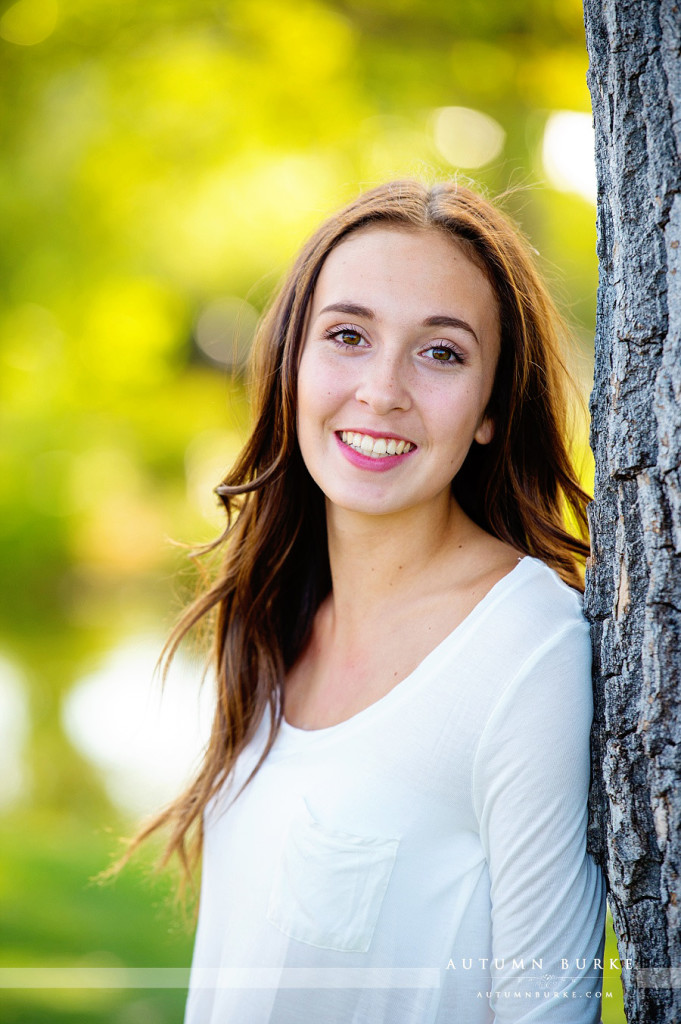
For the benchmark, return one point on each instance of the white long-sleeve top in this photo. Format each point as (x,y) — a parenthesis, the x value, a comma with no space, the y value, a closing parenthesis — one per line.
(423,862)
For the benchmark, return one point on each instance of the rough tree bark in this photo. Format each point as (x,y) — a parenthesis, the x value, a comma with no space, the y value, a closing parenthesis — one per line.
(633,592)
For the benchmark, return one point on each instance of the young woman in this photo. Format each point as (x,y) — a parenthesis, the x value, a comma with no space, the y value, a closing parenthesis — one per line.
(393,801)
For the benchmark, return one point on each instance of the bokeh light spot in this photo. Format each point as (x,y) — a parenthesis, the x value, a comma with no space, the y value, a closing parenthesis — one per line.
(29,22)
(146,740)
(568,153)
(224,331)
(465,137)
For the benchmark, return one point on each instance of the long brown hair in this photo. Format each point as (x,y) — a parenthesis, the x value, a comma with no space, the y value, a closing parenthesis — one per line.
(521,487)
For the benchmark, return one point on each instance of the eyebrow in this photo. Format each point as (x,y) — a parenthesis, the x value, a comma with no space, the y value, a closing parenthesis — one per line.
(438,320)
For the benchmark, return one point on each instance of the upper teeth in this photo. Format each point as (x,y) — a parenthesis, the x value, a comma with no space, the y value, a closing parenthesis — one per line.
(375,446)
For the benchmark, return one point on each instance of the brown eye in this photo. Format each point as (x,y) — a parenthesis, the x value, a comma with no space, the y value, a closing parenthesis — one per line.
(349,337)
(443,354)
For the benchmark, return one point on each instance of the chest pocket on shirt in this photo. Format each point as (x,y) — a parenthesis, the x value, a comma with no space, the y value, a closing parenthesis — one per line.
(328,886)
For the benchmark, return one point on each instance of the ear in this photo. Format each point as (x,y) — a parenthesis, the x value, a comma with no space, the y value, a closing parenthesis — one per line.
(485,432)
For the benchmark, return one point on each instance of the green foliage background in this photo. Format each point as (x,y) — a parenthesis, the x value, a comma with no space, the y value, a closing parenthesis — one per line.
(158,159)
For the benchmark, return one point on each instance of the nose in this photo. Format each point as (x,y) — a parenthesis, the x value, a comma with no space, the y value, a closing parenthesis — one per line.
(384,385)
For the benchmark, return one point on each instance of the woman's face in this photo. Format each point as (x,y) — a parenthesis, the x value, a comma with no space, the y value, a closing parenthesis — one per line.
(396,370)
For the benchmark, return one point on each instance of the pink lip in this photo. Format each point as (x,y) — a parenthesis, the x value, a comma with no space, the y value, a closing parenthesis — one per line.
(366,462)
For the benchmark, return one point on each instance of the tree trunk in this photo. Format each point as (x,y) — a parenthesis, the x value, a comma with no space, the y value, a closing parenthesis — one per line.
(633,591)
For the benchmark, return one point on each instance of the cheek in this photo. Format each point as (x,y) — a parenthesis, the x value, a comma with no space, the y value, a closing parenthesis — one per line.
(312,404)
(320,392)
(454,414)
(449,406)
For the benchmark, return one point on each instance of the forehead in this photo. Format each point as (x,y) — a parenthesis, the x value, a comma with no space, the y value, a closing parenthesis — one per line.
(416,272)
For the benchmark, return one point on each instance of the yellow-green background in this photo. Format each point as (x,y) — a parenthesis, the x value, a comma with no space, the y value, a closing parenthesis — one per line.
(160,161)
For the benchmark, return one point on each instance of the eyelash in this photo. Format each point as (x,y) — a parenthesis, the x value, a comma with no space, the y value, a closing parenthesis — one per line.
(334,335)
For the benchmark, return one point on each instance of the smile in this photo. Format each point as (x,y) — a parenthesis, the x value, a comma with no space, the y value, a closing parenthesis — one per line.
(375,447)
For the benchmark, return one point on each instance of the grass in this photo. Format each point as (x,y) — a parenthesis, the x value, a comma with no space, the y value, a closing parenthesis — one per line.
(53,915)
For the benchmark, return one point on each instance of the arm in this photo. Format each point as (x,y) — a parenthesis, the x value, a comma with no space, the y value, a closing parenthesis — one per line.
(530,787)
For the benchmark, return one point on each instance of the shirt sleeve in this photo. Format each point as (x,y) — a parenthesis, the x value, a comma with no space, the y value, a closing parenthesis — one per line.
(530,788)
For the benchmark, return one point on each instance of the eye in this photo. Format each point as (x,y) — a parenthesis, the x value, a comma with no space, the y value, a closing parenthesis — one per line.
(346,337)
(444,354)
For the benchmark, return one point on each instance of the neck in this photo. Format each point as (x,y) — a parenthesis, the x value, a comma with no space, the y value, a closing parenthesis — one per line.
(376,561)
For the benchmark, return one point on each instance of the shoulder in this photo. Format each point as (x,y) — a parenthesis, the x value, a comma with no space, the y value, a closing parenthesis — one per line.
(536,604)
(533,649)
(521,586)
(542,630)
(546,618)
(526,608)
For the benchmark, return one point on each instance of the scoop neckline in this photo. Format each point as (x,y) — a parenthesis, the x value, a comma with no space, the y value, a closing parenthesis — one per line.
(293,735)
